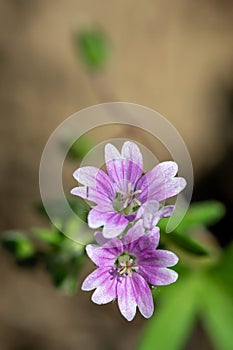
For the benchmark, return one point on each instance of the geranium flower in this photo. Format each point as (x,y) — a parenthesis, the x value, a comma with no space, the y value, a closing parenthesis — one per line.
(151,212)
(126,270)
(119,193)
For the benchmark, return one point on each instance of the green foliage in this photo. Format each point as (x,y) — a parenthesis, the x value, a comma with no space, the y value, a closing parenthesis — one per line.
(202,214)
(186,243)
(198,215)
(18,244)
(80,148)
(221,272)
(64,260)
(93,47)
(64,265)
(217,313)
(197,294)
(53,237)
(206,293)
(62,257)
(174,318)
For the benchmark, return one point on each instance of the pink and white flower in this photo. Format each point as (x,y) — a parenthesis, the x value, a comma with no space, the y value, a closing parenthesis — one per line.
(119,193)
(127,268)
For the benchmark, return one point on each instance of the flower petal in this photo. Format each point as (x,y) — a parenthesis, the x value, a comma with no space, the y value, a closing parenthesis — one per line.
(134,233)
(159,258)
(155,233)
(166,211)
(131,152)
(95,180)
(114,225)
(100,238)
(114,222)
(90,194)
(95,279)
(126,297)
(158,276)
(145,245)
(168,168)
(149,211)
(144,297)
(111,153)
(87,175)
(99,215)
(122,172)
(105,292)
(158,184)
(105,255)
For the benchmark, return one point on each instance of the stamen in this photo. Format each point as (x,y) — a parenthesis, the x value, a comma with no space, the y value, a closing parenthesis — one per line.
(137,201)
(122,271)
(136,192)
(127,265)
(128,197)
(125,205)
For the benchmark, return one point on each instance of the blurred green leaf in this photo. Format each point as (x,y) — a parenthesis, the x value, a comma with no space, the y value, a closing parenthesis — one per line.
(73,249)
(78,234)
(80,207)
(172,323)
(221,272)
(217,313)
(80,148)
(93,47)
(18,244)
(198,215)
(64,270)
(202,214)
(48,236)
(186,243)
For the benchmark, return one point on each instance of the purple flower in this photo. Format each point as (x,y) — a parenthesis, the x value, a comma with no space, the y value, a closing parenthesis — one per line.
(119,193)
(150,212)
(127,268)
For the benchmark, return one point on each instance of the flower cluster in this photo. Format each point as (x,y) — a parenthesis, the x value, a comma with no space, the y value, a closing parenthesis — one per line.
(127,207)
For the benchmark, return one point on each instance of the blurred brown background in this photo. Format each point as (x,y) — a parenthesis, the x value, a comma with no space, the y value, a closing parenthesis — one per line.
(172,56)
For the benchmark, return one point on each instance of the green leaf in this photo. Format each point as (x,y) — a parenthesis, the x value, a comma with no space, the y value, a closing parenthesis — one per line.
(186,243)
(202,214)
(217,313)
(174,318)
(93,47)
(198,215)
(18,244)
(221,272)
(48,236)
(80,207)
(80,148)
(64,270)
(78,233)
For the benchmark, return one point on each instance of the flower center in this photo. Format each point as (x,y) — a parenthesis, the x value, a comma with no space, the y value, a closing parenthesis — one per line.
(126,264)
(126,202)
